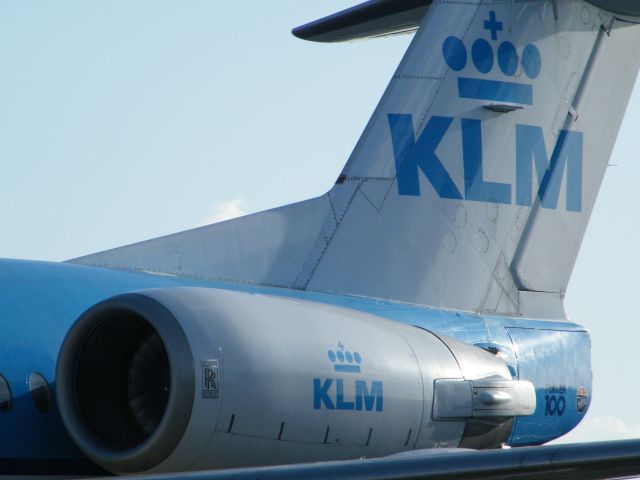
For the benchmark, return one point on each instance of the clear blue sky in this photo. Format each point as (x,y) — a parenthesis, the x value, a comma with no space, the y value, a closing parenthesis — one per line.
(122,121)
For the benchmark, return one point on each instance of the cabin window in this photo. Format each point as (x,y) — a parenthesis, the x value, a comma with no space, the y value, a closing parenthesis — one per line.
(40,392)
(6,398)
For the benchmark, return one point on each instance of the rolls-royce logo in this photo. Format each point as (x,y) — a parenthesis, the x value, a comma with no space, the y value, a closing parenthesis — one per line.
(210,379)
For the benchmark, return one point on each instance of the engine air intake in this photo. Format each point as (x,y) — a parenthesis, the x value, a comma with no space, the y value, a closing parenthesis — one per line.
(125,383)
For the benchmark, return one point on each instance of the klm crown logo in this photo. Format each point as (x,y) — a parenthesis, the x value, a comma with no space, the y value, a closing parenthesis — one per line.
(349,393)
(414,154)
(344,361)
(484,57)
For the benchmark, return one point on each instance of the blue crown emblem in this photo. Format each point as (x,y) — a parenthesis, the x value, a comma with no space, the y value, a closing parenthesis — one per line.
(344,361)
(483,57)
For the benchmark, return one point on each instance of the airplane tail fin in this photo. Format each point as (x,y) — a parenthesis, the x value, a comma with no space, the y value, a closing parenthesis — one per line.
(473,183)
(471,186)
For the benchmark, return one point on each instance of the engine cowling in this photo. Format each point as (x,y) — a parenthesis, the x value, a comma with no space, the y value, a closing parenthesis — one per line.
(191,378)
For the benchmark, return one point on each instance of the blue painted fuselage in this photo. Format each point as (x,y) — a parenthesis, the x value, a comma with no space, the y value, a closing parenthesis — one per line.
(40,302)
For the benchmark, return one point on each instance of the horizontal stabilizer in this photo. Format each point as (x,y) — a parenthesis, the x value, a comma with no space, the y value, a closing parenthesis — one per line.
(374,18)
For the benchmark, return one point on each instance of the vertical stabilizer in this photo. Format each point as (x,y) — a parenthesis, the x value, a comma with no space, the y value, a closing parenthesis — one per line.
(471,186)
(473,183)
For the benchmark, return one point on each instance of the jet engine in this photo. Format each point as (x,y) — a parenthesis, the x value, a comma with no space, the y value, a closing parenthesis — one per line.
(183,379)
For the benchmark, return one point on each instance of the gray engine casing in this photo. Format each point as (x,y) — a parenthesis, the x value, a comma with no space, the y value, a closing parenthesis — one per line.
(248,379)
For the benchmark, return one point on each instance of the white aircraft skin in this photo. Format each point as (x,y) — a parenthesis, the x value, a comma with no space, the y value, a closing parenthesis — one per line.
(416,306)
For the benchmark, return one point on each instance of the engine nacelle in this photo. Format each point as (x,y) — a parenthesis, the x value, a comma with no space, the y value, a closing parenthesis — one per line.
(191,378)
(621,7)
